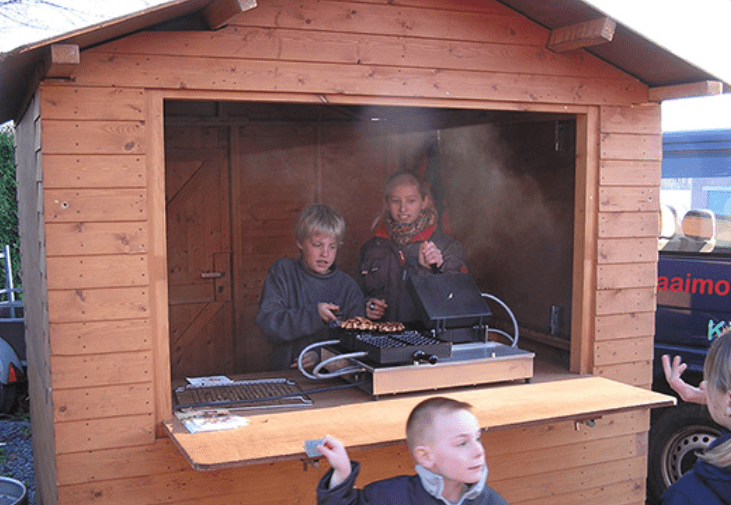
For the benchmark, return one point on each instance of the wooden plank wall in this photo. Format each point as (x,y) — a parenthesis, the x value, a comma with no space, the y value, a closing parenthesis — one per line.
(97,227)
(35,300)
(95,198)
(544,465)
(629,207)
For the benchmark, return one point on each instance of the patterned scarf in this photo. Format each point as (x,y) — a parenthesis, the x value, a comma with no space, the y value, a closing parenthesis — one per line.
(402,234)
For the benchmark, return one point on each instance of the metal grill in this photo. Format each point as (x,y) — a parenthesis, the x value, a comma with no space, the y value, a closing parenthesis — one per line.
(392,348)
(396,340)
(248,394)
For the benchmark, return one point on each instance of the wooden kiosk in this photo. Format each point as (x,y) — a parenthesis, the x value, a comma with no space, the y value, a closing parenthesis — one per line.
(163,158)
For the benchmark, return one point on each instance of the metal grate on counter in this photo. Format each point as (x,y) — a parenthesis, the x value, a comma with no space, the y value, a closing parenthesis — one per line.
(246,394)
(395,348)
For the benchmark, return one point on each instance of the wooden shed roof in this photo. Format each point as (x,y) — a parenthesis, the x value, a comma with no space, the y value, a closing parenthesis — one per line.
(629,51)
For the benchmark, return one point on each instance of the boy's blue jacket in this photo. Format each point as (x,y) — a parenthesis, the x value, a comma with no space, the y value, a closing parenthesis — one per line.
(401,490)
(704,485)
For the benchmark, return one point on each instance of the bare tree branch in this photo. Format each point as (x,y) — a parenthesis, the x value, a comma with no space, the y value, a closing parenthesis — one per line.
(23,21)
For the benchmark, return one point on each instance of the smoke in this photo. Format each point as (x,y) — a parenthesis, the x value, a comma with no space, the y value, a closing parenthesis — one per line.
(512,209)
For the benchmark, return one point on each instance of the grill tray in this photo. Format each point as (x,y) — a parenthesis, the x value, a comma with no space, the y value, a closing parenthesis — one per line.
(247,394)
(393,348)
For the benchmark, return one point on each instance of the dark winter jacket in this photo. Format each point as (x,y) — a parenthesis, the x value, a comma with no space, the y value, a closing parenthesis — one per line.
(452,252)
(402,490)
(400,303)
(288,315)
(705,484)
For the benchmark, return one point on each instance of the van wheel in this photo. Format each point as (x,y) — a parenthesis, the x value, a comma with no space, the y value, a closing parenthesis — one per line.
(675,439)
(7,398)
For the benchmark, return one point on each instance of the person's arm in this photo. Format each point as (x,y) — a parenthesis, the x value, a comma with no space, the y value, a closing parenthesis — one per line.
(444,251)
(687,393)
(338,458)
(454,258)
(278,321)
(429,254)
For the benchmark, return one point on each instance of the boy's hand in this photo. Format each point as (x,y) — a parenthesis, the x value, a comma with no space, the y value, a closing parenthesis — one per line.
(336,454)
(309,360)
(327,311)
(375,308)
(430,255)
(687,392)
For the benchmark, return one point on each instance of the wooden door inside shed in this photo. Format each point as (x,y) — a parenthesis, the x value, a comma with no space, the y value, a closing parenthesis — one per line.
(199,251)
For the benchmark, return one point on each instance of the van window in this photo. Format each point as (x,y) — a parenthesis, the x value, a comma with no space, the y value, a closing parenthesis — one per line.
(695,195)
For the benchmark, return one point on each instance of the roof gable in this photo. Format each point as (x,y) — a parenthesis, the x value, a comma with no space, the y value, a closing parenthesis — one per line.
(628,51)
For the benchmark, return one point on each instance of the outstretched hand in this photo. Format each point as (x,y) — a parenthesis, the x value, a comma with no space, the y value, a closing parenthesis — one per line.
(336,454)
(673,371)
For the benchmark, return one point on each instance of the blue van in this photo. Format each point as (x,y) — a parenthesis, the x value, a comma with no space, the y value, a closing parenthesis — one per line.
(693,290)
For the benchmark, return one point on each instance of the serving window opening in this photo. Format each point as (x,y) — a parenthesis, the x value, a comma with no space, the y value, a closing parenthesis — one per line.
(237,174)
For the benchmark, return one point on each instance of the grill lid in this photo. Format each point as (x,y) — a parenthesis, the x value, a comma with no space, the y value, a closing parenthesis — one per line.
(448,301)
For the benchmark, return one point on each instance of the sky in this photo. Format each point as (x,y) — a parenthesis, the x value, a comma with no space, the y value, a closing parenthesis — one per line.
(696,31)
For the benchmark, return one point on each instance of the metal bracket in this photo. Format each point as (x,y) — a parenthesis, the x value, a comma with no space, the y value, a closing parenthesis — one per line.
(591,423)
(313,462)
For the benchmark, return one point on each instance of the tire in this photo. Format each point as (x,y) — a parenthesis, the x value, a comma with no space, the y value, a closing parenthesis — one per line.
(7,398)
(676,437)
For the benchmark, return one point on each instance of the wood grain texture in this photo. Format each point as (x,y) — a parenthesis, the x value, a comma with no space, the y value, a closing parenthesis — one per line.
(574,399)
(97,304)
(103,138)
(628,325)
(94,171)
(97,271)
(102,369)
(90,238)
(75,339)
(82,205)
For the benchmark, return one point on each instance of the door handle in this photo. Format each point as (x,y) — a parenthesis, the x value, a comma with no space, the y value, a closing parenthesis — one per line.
(212,275)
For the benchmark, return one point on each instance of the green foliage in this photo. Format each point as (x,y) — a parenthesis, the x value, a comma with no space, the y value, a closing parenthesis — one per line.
(9,204)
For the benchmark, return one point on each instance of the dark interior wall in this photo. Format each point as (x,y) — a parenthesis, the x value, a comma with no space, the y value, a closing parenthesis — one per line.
(508,192)
(510,189)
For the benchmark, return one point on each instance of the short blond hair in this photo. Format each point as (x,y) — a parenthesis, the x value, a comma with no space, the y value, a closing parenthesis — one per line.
(419,426)
(319,218)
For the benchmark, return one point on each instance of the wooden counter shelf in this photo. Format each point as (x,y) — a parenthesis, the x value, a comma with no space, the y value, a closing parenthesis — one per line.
(350,415)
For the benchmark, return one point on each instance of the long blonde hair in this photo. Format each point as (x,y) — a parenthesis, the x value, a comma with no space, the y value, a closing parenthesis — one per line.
(717,373)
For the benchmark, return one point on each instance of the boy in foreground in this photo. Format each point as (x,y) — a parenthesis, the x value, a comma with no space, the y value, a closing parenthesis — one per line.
(443,437)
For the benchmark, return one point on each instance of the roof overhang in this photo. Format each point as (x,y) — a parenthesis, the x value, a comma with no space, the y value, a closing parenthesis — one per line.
(629,51)
(19,67)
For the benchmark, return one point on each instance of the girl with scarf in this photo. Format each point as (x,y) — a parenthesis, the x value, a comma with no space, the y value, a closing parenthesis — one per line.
(409,229)
(709,481)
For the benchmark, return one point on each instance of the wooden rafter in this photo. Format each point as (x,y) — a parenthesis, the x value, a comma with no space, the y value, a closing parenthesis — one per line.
(220,12)
(586,34)
(61,61)
(703,88)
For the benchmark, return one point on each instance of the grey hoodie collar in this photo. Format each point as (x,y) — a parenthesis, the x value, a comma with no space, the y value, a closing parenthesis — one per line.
(434,485)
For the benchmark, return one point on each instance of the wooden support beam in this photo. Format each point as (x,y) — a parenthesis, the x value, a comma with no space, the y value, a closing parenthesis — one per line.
(590,33)
(61,61)
(220,12)
(703,88)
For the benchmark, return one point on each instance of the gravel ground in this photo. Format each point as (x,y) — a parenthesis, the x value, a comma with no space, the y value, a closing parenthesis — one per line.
(16,455)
